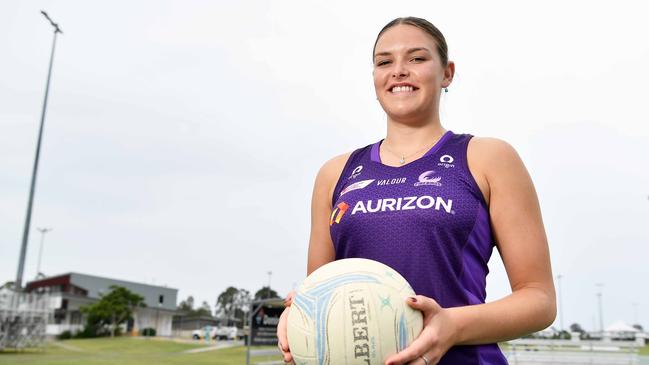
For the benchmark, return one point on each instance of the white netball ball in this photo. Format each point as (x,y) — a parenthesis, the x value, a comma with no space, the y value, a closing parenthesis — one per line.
(351,311)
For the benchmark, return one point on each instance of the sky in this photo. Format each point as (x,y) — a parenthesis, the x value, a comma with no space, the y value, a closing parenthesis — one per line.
(182,139)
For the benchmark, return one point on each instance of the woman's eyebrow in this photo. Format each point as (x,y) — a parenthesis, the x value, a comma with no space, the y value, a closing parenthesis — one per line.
(411,50)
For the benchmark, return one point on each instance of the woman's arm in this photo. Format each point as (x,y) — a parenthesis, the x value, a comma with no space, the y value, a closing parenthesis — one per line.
(520,238)
(321,248)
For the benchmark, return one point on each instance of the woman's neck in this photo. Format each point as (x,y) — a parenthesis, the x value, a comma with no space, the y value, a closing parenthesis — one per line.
(404,137)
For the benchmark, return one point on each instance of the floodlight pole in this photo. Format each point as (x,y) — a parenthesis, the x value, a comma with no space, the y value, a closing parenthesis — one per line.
(599,302)
(40,250)
(23,249)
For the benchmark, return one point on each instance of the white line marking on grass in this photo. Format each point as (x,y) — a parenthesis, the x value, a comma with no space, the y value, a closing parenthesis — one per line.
(210,348)
(68,347)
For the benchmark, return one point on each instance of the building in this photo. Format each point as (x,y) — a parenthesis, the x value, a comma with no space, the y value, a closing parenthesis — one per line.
(69,292)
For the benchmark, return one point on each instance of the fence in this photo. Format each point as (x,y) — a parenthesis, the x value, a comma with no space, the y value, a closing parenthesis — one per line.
(570,352)
(23,319)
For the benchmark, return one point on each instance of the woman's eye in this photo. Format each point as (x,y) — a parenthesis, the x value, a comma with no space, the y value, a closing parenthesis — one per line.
(419,59)
(382,63)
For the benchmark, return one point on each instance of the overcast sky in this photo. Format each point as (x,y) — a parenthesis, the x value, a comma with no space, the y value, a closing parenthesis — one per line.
(182,138)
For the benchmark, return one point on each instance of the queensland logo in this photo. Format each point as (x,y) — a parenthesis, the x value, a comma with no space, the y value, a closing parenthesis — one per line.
(355,172)
(357,185)
(395,181)
(426,178)
(407,203)
(338,212)
(446,161)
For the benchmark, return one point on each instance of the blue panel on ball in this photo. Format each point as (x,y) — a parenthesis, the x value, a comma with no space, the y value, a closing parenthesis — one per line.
(315,301)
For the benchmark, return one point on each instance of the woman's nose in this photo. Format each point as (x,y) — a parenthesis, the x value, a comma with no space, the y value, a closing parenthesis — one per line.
(400,70)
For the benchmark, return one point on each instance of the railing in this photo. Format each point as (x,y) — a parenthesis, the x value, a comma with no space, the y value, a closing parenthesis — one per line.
(564,352)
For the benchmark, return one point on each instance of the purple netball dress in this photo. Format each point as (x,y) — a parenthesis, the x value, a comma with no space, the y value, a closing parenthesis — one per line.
(428,220)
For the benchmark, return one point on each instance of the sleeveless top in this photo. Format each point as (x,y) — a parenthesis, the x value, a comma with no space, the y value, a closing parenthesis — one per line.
(428,220)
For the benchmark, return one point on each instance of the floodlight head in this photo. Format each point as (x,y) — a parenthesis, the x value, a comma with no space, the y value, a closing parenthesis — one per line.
(55,25)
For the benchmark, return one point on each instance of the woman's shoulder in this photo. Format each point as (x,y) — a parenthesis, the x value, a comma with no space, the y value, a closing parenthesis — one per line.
(490,150)
(332,168)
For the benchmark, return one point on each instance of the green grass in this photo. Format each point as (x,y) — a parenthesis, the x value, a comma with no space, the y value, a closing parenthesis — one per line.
(128,351)
(644,351)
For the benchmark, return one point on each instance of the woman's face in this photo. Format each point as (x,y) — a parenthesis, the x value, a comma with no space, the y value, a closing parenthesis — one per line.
(408,73)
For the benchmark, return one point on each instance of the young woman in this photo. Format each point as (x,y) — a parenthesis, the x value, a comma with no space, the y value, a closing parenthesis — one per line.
(432,204)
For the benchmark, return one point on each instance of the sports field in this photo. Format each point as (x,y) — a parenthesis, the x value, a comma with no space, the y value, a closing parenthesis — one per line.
(131,351)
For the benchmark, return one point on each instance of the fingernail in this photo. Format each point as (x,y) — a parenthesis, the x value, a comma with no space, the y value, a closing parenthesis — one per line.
(413,299)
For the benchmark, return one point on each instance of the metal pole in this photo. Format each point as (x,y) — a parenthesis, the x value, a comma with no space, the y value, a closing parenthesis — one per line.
(40,250)
(270,273)
(599,302)
(28,218)
(560,303)
(249,337)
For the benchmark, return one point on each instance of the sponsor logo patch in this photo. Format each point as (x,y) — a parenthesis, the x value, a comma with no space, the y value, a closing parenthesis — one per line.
(395,181)
(357,185)
(446,161)
(338,212)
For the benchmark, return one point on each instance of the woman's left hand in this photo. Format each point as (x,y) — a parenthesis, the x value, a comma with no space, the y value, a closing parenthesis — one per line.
(438,335)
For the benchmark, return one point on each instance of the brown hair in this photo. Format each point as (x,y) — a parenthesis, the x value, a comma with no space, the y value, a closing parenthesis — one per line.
(426,26)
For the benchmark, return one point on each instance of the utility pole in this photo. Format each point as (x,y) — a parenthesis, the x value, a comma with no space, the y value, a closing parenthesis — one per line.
(40,250)
(270,273)
(23,249)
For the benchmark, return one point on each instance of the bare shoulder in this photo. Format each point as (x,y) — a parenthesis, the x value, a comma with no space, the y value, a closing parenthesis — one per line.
(491,148)
(491,159)
(487,154)
(332,169)
(329,174)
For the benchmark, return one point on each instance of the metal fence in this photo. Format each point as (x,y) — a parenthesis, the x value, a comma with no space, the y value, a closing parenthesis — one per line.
(23,319)
(569,352)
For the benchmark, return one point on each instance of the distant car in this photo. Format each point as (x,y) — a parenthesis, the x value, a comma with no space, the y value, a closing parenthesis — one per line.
(217,333)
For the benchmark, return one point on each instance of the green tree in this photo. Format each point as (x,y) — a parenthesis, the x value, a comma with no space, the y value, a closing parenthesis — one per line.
(187,305)
(113,309)
(576,327)
(266,293)
(232,304)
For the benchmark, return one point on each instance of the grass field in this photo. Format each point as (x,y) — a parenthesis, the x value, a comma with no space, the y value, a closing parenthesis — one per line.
(129,351)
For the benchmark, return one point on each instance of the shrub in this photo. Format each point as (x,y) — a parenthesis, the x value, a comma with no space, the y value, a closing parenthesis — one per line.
(65,335)
(148,332)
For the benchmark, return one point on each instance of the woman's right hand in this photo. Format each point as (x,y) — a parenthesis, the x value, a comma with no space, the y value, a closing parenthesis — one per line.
(282,336)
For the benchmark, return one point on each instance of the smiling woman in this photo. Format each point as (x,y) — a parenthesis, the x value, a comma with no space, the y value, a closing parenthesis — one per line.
(451,198)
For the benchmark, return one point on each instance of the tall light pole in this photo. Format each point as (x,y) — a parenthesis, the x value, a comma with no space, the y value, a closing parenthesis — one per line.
(599,304)
(560,302)
(270,273)
(23,249)
(40,250)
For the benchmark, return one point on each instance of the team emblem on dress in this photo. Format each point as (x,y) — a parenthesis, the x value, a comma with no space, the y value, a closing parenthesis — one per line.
(426,178)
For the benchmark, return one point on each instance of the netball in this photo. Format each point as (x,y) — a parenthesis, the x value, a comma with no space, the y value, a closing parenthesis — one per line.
(351,311)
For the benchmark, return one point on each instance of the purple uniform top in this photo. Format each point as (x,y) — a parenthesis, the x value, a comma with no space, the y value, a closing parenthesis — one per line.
(428,220)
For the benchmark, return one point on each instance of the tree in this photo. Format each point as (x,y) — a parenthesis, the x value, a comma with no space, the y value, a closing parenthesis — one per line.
(233,304)
(266,293)
(576,327)
(187,305)
(113,309)
(638,327)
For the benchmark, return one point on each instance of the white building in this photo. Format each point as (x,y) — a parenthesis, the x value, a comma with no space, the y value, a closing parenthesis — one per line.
(71,291)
